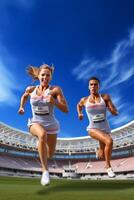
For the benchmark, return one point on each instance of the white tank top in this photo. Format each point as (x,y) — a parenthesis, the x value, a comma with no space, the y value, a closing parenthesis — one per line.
(96,113)
(42,111)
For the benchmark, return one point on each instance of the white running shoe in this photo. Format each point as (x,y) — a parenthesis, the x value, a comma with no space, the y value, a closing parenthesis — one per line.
(110,173)
(45,180)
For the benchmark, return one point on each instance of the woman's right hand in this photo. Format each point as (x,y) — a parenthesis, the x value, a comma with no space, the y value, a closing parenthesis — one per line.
(80,116)
(21,111)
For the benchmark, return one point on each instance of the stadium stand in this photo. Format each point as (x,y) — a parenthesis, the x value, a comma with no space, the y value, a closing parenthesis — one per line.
(74,157)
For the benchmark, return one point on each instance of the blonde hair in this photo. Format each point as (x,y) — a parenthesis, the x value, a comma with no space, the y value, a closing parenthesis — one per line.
(34,71)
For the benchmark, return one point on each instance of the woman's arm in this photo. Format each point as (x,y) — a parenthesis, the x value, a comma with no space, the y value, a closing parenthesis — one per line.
(80,106)
(60,101)
(111,107)
(24,99)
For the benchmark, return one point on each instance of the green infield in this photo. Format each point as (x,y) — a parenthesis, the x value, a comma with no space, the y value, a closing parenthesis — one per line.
(30,189)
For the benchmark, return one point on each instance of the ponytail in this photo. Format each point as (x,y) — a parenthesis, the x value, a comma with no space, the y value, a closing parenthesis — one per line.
(33,72)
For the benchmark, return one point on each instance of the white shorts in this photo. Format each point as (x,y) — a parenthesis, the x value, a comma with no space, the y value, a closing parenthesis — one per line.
(107,131)
(50,129)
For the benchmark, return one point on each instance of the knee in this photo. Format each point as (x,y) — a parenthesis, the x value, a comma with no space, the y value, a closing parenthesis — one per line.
(109,142)
(91,133)
(42,137)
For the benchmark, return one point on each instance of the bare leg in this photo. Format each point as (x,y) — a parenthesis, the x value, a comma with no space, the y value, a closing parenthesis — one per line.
(37,130)
(51,144)
(101,150)
(106,140)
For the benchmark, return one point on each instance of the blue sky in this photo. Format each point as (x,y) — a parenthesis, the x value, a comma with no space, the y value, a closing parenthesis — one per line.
(81,38)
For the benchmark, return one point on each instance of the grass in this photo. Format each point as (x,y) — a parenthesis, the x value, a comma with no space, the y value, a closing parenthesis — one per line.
(30,189)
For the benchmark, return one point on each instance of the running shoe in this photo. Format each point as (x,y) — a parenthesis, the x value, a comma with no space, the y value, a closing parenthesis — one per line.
(45,180)
(110,173)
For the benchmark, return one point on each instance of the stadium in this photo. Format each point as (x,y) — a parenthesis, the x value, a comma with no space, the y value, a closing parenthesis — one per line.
(75,158)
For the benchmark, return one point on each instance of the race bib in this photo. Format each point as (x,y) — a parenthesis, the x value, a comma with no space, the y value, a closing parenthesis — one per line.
(41,110)
(98,117)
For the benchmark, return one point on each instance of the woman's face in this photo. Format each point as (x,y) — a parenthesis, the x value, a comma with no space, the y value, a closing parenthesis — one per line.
(93,86)
(45,76)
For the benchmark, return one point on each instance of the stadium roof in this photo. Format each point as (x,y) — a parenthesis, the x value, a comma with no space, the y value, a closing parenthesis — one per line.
(15,137)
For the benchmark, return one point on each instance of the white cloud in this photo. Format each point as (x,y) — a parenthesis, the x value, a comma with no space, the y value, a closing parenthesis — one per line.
(8,85)
(115,70)
(117,121)
(116,99)
(124,108)
(125,114)
(118,68)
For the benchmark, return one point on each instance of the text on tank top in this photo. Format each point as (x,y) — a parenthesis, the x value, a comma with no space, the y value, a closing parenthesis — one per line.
(39,104)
